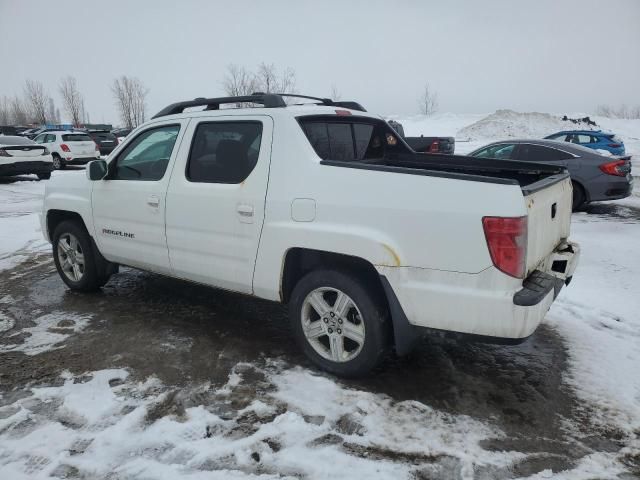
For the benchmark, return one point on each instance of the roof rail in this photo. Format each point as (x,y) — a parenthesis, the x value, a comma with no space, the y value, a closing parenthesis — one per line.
(268,100)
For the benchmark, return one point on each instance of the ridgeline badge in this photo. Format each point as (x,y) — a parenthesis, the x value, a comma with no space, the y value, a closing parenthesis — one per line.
(117,233)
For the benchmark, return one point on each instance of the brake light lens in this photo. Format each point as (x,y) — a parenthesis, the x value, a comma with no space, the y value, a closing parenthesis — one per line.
(614,168)
(435,147)
(64,147)
(97,148)
(507,242)
(614,145)
(343,113)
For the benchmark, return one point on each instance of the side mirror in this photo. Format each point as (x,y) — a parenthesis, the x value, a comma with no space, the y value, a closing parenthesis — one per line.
(96,170)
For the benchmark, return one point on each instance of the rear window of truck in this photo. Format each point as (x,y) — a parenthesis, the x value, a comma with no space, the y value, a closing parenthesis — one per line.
(352,139)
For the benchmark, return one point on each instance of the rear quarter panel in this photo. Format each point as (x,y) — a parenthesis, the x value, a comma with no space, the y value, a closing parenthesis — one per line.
(388,219)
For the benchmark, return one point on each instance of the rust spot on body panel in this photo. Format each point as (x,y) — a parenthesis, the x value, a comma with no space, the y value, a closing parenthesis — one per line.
(394,255)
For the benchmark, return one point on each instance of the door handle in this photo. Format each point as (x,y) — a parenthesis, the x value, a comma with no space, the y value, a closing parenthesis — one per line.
(153,201)
(245,210)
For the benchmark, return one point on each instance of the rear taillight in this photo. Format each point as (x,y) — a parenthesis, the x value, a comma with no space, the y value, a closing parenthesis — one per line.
(614,168)
(435,147)
(64,147)
(507,242)
(614,145)
(3,153)
(97,148)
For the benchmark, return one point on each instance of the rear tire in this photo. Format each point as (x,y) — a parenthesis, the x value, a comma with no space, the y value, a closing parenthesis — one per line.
(77,259)
(339,324)
(579,197)
(44,176)
(58,163)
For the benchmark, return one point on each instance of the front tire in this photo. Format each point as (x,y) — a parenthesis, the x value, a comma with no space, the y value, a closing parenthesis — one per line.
(75,257)
(340,325)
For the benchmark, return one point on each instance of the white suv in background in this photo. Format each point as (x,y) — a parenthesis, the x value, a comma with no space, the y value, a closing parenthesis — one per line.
(69,148)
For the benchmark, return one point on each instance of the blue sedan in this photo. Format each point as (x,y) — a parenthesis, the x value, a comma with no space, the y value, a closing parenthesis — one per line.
(596,139)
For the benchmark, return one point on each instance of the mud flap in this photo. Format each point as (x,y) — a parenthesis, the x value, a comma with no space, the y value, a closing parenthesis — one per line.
(405,335)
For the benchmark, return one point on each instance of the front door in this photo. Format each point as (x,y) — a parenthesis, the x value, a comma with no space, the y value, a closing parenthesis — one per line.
(129,204)
(216,200)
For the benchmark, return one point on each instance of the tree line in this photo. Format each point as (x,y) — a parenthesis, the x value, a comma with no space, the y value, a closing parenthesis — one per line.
(36,106)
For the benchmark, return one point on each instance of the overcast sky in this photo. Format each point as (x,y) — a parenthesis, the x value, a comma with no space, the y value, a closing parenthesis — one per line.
(542,55)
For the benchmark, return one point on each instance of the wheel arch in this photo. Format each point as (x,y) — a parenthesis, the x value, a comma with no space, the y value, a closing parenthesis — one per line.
(55,217)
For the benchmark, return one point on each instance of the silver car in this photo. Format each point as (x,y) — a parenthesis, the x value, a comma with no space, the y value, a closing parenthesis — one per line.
(595,176)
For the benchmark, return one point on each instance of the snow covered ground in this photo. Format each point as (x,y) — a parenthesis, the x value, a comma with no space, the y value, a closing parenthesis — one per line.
(270,418)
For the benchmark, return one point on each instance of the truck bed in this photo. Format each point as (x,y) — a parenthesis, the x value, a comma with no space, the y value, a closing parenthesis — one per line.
(530,176)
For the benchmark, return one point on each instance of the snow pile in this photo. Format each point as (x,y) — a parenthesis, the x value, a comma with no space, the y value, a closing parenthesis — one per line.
(438,124)
(509,124)
(49,331)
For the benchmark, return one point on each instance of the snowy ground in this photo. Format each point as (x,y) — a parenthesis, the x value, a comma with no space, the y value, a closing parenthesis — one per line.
(154,378)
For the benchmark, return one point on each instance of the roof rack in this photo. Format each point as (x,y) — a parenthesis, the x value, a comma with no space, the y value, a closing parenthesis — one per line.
(268,100)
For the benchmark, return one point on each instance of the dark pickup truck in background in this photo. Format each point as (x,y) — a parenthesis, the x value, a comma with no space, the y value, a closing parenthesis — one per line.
(424,144)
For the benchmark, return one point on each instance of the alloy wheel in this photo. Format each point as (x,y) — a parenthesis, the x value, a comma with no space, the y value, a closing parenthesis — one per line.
(71,257)
(332,324)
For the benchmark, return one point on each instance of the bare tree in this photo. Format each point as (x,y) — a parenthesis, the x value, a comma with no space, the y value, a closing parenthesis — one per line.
(5,111)
(238,81)
(268,80)
(428,101)
(130,95)
(19,115)
(72,100)
(37,100)
(335,93)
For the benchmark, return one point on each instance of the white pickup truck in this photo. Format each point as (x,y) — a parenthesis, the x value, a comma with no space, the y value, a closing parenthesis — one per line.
(324,207)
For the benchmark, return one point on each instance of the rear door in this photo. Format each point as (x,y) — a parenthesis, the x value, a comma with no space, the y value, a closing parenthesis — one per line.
(129,205)
(216,200)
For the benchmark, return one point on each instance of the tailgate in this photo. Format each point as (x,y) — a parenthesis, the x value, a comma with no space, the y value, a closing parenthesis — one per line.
(549,218)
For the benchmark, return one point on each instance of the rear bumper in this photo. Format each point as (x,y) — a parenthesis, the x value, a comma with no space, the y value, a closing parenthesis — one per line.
(25,168)
(489,306)
(79,160)
(612,188)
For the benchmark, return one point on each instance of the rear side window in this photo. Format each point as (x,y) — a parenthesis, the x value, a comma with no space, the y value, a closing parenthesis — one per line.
(537,153)
(76,137)
(224,152)
(351,140)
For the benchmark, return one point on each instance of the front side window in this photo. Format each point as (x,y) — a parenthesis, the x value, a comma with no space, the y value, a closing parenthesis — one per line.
(147,156)
(50,138)
(501,151)
(40,138)
(224,152)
